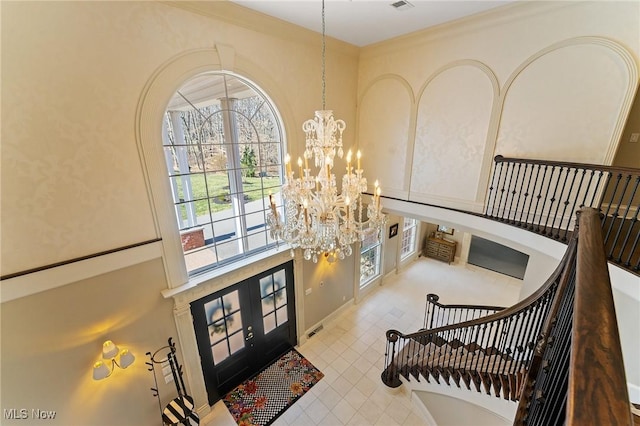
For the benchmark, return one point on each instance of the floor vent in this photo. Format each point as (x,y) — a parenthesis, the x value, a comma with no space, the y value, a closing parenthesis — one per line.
(314,331)
(402,5)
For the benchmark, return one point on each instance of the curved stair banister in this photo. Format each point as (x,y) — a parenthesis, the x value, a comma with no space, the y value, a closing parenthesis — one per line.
(577,376)
(436,314)
(492,352)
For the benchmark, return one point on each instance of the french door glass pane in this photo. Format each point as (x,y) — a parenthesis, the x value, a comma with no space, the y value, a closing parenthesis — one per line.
(234,323)
(231,302)
(224,320)
(220,352)
(281,298)
(266,286)
(281,315)
(280,279)
(274,296)
(236,342)
(269,322)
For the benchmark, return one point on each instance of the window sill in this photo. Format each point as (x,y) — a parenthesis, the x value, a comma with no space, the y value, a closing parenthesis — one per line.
(217,273)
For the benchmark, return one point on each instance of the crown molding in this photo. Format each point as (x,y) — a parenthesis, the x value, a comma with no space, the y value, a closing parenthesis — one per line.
(490,18)
(256,21)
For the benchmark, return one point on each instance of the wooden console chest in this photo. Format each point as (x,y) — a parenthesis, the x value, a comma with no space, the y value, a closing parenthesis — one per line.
(440,249)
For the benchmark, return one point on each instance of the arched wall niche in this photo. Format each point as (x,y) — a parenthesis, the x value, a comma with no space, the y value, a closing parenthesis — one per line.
(454,135)
(385,120)
(568,102)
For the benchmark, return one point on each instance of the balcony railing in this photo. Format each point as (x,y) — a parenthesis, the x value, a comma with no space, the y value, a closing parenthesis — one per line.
(543,196)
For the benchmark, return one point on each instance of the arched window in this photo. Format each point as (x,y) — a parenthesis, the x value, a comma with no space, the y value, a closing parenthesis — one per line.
(222,140)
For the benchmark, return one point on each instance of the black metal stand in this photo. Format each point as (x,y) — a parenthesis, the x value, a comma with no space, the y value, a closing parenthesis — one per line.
(180,411)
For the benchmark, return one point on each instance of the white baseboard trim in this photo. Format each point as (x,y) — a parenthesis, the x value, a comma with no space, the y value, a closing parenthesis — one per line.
(328,319)
(634,393)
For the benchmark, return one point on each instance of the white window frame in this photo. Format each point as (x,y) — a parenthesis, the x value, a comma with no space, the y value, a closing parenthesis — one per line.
(367,247)
(237,207)
(149,118)
(409,233)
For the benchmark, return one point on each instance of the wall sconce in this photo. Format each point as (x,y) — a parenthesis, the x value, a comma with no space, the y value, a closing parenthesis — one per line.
(102,369)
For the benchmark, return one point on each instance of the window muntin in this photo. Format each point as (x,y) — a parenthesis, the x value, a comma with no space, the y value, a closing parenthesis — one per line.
(273,295)
(409,230)
(224,321)
(223,150)
(370,259)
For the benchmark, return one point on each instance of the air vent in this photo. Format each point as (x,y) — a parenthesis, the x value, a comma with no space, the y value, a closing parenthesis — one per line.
(402,5)
(314,331)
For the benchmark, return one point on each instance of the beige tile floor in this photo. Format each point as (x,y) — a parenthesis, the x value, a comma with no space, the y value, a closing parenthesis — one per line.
(350,349)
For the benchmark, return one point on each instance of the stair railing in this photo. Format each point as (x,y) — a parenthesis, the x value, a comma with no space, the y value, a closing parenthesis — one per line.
(438,315)
(493,351)
(577,374)
(542,196)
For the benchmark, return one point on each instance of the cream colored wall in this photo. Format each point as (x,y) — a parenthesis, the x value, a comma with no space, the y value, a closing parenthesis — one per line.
(50,341)
(391,246)
(74,180)
(628,154)
(549,80)
(331,286)
(73,74)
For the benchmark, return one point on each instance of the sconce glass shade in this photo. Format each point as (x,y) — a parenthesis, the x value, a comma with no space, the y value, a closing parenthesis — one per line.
(109,350)
(126,358)
(100,370)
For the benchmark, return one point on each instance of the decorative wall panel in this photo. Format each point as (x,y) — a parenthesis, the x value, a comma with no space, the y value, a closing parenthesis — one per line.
(384,123)
(453,117)
(567,103)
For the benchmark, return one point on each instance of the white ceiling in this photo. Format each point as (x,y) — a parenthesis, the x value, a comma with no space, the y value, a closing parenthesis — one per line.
(363,22)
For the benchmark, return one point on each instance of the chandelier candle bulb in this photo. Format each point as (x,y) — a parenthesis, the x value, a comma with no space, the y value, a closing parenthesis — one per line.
(300,167)
(287,161)
(358,155)
(306,162)
(347,202)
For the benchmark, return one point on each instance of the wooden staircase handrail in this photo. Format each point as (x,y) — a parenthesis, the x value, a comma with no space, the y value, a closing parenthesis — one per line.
(597,392)
(433,298)
(393,335)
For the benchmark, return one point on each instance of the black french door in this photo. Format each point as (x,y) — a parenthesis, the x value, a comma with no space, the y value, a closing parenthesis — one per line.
(243,328)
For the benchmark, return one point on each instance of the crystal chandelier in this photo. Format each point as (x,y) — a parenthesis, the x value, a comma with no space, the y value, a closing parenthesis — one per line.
(318,219)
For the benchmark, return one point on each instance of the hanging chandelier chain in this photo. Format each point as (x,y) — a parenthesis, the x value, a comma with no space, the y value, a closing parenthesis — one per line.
(324,47)
(320,215)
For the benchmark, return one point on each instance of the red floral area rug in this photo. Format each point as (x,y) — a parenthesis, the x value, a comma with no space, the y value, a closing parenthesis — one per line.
(262,399)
